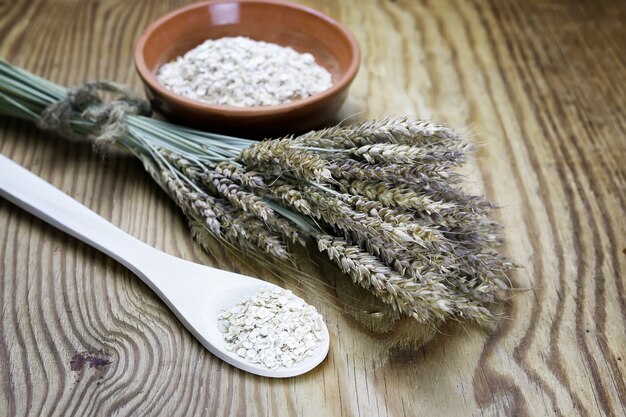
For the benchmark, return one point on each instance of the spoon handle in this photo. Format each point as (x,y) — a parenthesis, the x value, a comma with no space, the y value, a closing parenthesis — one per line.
(33,194)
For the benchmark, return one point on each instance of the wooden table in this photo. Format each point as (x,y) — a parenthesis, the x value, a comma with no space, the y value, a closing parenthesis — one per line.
(541,84)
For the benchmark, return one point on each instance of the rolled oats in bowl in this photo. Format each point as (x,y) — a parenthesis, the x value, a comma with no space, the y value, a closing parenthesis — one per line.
(241,72)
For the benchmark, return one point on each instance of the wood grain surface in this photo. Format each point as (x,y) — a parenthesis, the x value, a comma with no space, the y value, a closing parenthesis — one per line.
(540,83)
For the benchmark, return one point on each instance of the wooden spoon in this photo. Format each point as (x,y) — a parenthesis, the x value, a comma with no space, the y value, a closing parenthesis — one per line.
(195,293)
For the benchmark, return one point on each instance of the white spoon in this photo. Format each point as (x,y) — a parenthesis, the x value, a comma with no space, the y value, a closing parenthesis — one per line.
(195,293)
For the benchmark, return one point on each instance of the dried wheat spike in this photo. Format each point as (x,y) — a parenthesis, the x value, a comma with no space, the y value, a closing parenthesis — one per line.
(278,156)
(427,302)
(399,130)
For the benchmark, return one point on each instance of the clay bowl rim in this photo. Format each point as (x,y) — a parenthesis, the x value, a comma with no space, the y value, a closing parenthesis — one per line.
(150,79)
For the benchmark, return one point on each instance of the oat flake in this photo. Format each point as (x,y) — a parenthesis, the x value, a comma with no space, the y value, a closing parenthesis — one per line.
(242,72)
(273,328)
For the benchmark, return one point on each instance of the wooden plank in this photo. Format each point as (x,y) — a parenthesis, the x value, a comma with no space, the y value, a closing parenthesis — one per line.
(541,84)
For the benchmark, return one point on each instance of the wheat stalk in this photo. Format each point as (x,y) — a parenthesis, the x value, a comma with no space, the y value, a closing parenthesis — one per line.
(381,197)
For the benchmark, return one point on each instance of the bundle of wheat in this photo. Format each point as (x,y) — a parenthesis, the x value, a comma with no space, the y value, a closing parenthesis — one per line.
(381,198)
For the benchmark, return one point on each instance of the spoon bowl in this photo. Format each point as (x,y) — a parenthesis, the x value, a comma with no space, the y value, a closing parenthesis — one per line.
(198,293)
(195,293)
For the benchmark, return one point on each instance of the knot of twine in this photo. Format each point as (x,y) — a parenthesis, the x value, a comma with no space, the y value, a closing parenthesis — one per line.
(86,100)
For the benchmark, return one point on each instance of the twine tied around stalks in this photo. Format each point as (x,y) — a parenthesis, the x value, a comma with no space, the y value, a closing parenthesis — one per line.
(86,101)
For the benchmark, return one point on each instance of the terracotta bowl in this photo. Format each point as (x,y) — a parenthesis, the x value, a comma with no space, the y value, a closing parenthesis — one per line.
(280,22)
